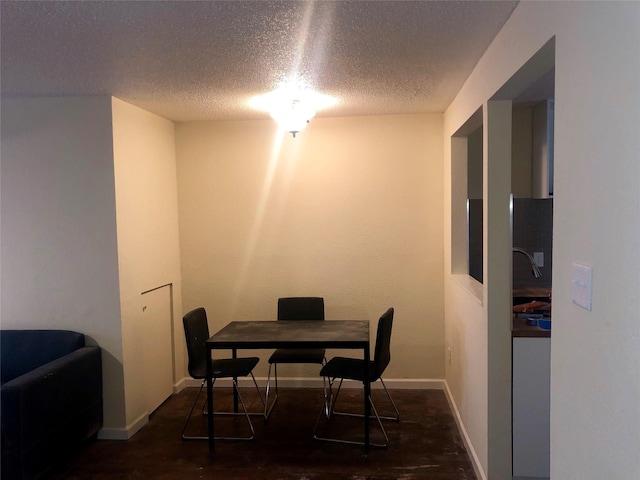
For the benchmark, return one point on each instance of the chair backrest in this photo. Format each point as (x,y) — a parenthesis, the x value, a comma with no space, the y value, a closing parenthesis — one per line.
(196,332)
(382,355)
(301,308)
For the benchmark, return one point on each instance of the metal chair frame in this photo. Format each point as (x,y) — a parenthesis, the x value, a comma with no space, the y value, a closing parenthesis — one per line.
(288,316)
(268,409)
(380,362)
(197,330)
(246,413)
(395,418)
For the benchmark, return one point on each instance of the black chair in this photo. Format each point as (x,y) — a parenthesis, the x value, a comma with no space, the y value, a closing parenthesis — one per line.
(295,308)
(353,369)
(196,331)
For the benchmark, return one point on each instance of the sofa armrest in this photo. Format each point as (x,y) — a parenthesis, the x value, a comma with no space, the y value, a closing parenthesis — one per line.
(50,397)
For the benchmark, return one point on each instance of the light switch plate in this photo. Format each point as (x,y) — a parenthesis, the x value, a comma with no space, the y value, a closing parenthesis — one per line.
(582,286)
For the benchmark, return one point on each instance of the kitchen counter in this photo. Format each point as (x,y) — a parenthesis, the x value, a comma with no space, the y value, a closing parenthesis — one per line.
(519,328)
(533,292)
(525,294)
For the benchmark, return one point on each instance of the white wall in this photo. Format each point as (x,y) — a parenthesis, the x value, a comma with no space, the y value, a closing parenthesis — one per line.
(59,252)
(351,210)
(89,222)
(597,223)
(595,366)
(148,257)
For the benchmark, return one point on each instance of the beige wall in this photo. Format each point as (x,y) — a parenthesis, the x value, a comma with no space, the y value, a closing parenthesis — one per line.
(148,257)
(595,358)
(351,210)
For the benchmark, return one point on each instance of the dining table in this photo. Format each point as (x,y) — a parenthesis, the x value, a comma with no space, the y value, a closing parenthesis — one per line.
(265,334)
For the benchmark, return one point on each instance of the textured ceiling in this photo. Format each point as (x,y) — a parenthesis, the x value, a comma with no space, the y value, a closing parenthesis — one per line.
(200,60)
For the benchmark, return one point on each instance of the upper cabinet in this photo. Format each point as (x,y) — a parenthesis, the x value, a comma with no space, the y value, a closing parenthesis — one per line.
(542,150)
(532,150)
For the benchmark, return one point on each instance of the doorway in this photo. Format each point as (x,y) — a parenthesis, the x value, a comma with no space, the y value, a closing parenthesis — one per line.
(531,264)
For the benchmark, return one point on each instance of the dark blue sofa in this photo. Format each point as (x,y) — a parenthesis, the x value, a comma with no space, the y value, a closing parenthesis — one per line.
(51,398)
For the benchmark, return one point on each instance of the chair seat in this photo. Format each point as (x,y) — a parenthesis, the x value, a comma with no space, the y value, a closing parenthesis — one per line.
(298,355)
(196,332)
(233,367)
(349,368)
(359,370)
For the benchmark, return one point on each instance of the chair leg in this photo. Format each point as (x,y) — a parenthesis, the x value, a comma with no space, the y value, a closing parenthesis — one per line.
(262,399)
(246,414)
(379,418)
(186,437)
(395,418)
(244,408)
(327,408)
(329,399)
(333,397)
(338,440)
(267,408)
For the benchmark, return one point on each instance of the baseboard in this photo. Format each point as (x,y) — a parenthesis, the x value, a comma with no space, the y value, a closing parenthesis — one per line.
(124,433)
(314,382)
(179,385)
(465,436)
(133,428)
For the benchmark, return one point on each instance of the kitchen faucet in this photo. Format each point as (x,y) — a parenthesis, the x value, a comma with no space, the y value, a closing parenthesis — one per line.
(534,268)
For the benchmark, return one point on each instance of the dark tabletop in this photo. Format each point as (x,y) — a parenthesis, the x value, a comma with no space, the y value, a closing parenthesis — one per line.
(292,334)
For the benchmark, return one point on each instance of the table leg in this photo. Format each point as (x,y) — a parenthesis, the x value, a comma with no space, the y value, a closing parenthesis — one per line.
(210,399)
(367,394)
(234,354)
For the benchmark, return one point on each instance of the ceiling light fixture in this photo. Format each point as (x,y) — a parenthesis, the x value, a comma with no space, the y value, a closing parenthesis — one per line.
(293,117)
(292,105)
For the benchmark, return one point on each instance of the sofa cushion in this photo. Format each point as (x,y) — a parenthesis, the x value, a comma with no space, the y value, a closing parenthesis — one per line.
(25,350)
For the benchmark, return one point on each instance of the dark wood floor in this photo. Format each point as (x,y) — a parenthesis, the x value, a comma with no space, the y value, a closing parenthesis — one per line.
(424,444)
